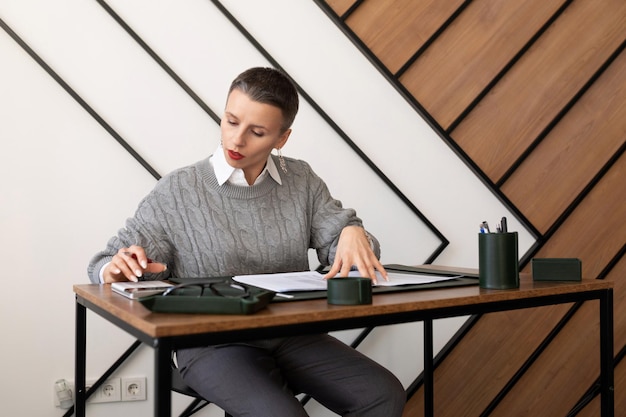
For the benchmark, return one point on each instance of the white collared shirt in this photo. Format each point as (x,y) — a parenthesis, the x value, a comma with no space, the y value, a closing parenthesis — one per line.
(235,176)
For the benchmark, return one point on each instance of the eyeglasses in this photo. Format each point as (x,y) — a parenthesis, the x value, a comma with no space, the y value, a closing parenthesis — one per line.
(218,289)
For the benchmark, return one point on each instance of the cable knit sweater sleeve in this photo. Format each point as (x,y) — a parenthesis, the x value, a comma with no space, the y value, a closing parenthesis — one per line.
(200,228)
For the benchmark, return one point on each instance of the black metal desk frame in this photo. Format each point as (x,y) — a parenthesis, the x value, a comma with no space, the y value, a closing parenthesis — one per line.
(163,346)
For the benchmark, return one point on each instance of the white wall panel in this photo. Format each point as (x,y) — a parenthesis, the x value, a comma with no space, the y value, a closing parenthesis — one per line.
(213,50)
(196,41)
(67,185)
(60,200)
(301,37)
(89,50)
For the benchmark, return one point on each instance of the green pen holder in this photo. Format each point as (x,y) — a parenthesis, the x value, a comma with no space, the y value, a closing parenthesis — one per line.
(498,265)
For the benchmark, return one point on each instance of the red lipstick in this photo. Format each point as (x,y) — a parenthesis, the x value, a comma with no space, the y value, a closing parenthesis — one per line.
(235,155)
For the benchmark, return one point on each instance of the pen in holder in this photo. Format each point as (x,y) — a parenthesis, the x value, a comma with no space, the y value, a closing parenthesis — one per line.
(498,266)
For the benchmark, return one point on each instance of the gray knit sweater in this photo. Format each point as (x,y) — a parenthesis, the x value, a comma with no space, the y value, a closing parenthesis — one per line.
(201,229)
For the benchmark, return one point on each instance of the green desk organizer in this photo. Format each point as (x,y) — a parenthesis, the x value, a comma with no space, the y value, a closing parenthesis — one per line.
(556,269)
(498,265)
(349,291)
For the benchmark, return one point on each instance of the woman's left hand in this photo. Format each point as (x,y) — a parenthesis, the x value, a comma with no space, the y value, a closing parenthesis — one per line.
(353,249)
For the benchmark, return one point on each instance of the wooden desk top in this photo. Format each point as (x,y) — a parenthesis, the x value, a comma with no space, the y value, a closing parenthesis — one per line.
(157,325)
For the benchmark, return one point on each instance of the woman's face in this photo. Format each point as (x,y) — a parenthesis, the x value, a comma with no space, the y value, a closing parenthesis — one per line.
(250,130)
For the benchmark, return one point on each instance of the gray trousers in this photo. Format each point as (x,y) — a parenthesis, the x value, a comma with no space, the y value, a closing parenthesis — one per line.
(260,378)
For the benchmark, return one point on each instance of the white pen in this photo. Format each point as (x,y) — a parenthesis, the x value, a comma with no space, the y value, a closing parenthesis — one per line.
(284,295)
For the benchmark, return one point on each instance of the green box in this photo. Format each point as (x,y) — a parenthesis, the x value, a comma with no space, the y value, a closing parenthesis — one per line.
(556,269)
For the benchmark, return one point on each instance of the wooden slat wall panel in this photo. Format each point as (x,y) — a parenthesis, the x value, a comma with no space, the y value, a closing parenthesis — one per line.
(553,186)
(617,275)
(563,164)
(567,368)
(340,6)
(595,231)
(478,361)
(395,30)
(562,373)
(516,332)
(563,365)
(511,117)
(591,410)
(478,369)
(482,41)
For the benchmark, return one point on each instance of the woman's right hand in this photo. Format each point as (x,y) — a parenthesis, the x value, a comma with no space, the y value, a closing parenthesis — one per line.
(129,264)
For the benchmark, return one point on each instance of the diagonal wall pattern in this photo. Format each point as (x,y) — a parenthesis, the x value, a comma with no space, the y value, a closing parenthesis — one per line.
(533,95)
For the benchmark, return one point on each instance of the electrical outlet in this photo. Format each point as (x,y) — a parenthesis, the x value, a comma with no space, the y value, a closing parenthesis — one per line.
(134,389)
(108,392)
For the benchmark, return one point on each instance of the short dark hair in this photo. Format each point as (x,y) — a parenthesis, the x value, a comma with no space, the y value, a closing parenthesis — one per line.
(269,86)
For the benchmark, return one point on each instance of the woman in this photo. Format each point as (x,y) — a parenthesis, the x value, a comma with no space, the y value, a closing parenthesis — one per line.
(246,211)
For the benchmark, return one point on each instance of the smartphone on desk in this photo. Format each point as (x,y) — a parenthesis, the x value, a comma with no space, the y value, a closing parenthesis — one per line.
(135,290)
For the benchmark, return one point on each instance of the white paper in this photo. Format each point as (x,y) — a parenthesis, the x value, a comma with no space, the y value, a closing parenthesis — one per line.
(314,281)
(396,279)
(285,282)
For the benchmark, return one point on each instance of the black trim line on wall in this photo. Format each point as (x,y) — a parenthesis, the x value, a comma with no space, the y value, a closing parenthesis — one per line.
(432,39)
(595,180)
(341,133)
(540,242)
(443,241)
(444,352)
(612,263)
(561,114)
(578,200)
(531,359)
(507,67)
(79,99)
(421,111)
(159,61)
(352,9)
(594,390)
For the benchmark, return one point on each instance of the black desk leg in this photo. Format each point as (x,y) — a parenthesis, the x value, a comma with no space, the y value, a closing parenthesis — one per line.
(429,407)
(162,380)
(607,406)
(80,359)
